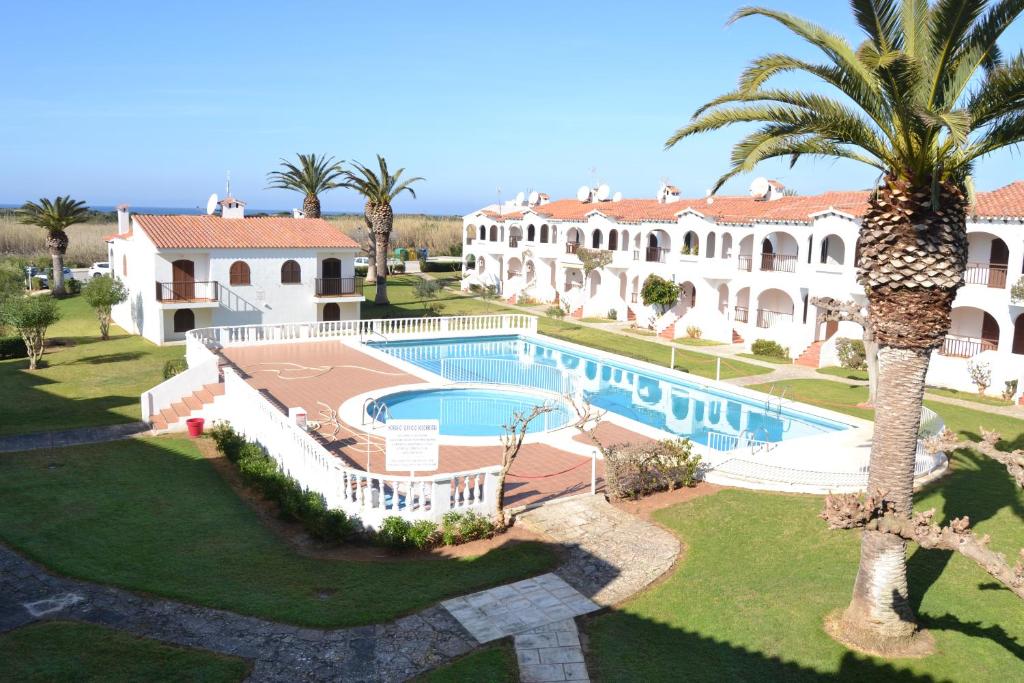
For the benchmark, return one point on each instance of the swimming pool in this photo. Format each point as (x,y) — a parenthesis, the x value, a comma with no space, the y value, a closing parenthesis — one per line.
(706,415)
(472,412)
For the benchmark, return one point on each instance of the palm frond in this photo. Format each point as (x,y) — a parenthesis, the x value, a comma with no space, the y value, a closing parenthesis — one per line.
(54,215)
(313,174)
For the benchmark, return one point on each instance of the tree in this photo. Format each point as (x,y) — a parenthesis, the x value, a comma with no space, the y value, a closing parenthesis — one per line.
(55,217)
(103,293)
(830,309)
(657,291)
(312,176)
(31,316)
(511,441)
(926,94)
(427,290)
(593,259)
(380,188)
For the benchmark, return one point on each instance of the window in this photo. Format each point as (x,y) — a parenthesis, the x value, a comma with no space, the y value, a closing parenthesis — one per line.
(124,265)
(184,320)
(239,273)
(290,273)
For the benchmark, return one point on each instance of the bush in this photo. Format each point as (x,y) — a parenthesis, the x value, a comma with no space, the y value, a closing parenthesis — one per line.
(981,375)
(851,353)
(394,533)
(462,527)
(398,268)
(1009,389)
(175,367)
(657,291)
(228,441)
(424,534)
(555,311)
(442,266)
(613,314)
(13,347)
(103,293)
(637,470)
(693,332)
(360,271)
(73,287)
(31,316)
(769,348)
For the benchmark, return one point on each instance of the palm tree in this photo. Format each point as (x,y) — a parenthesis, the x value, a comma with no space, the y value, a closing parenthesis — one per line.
(926,94)
(379,189)
(55,217)
(312,176)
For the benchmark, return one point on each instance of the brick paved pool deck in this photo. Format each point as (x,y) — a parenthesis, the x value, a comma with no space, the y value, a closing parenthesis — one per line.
(322,375)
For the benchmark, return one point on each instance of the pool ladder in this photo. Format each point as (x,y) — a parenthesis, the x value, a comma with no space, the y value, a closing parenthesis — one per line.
(378,407)
(777,400)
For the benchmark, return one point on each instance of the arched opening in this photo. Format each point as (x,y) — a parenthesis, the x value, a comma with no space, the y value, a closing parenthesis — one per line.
(745,260)
(658,245)
(481,264)
(622,286)
(470,234)
(184,320)
(531,233)
(332,312)
(613,240)
(595,282)
(687,296)
(833,251)
(596,239)
(774,308)
(726,245)
(624,241)
(494,233)
(483,233)
(544,233)
(691,243)
(723,298)
(470,262)
(515,233)
(238,274)
(779,253)
(531,272)
(709,250)
(987,259)
(515,267)
(573,239)
(331,269)
(1018,335)
(971,331)
(291,274)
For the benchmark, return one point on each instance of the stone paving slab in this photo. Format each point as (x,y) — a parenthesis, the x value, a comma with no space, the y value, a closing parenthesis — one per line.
(551,653)
(518,607)
(70,437)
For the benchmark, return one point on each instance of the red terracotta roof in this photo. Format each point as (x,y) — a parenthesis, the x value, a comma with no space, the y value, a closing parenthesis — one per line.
(1006,202)
(214,232)
(118,236)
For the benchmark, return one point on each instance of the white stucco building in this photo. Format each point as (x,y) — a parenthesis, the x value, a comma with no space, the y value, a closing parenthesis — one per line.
(747,268)
(188,271)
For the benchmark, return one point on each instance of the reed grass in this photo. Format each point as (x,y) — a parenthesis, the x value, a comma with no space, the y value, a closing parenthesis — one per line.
(442,235)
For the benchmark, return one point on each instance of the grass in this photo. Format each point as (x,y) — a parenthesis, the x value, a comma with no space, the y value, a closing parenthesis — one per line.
(761,571)
(768,359)
(87,383)
(64,651)
(692,341)
(85,247)
(846,373)
(495,664)
(153,515)
(404,304)
(440,234)
(971,396)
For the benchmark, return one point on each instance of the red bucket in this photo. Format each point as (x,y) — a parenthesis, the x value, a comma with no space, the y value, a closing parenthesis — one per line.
(195,426)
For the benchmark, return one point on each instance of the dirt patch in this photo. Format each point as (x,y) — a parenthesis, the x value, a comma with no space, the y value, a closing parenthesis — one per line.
(644,507)
(295,535)
(920,644)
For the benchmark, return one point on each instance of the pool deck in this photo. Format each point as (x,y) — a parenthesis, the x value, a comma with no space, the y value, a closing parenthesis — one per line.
(320,376)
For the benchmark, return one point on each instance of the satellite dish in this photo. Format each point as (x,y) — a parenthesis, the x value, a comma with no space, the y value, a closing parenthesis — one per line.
(617,197)
(759,187)
(520,198)
(534,197)
(603,193)
(583,194)
(211,204)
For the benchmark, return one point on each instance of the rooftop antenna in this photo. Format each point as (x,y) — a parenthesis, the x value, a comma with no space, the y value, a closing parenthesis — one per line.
(229,184)
(499,200)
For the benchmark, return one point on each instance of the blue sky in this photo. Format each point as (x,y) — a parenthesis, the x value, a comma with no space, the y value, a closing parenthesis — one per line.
(150,103)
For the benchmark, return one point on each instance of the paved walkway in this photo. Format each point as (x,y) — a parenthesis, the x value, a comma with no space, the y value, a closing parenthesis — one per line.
(70,437)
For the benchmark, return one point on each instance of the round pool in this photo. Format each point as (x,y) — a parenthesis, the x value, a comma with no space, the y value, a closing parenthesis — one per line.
(473,412)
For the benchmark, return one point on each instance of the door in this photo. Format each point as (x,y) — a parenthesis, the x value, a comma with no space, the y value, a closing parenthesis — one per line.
(831,327)
(332,312)
(330,283)
(989,332)
(1018,335)
(997,260)
(183,280)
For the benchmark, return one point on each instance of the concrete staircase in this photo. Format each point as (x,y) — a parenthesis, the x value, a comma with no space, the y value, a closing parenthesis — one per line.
(736,338)
(811,357)
(665,325)
(183,409)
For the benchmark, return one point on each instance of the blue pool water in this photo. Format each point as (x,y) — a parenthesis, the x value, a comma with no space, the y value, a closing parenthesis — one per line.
(671,404)
(474,412)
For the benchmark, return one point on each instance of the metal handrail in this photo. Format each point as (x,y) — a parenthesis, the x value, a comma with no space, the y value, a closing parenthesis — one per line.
(381,406)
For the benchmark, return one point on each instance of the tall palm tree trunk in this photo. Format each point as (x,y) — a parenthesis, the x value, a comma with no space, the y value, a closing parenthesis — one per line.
(911,262)
(57,243)
(381,218)
(311,206)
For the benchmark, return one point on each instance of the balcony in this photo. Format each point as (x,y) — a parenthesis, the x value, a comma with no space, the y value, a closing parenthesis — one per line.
(742,314)
(779,263)
(965,347)
(656,254)
(571,247)
(986,274)
(187,292)
(513,242)
(339,286)
(745,262)
(767,318)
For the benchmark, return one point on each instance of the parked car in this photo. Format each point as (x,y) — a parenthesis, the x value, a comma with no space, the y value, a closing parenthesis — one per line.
(44,275)
(363,261)
(100,268)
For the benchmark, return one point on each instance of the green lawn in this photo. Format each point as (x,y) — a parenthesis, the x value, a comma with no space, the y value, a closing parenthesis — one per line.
(967,396)
(847,373)
(690,341)
(768,359)
(88,382)
(761,571)
(153,515)
(65,651)
(496,664)
(404,304)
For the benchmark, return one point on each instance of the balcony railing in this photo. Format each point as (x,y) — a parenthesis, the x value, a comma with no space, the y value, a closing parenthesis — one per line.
(656,254)
(766,318)
(780,263)
(633,298)
(966,347)
(571,247)
(186,291)
(742,314)
(745,262)
(636,254)
(338,286)
(513,242)
(987,274)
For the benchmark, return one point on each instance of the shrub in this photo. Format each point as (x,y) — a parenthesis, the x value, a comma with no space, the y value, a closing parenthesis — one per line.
(336,526)
(851,353)
(424,534)
(981,375)
(462,527)
(12,347)
(394,532)
(613,314)
(657,291)
(174,367)
(398,268)
(767,347)
(693,332)
(637,470)
(442,266)
(360,271)
(526,300)
(555,311)
(73,287)
(103,293)
(228,441)
(1009,390)
(31,316)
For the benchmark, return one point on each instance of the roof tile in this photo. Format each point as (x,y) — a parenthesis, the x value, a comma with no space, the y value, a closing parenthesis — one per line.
(214,232)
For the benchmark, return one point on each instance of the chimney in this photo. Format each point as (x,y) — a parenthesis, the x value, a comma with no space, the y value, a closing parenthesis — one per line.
(232,208)
(124,223)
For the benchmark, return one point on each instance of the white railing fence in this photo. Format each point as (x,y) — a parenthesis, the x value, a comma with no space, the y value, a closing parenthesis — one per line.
(365,330)
(931,423)
(200,373)
(508,372)
(725,443)
(370,496)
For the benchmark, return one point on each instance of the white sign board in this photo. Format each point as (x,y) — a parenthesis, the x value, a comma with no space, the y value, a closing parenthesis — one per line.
(411,445)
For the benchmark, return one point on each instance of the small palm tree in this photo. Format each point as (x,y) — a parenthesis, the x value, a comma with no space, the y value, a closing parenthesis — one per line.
(312,176)
(55,217)
(925,95)
(379,188)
